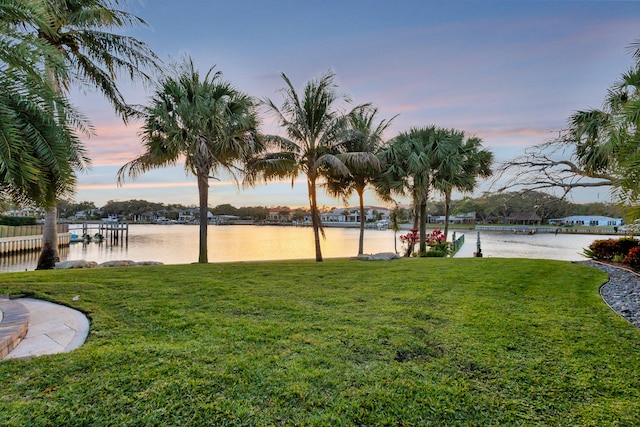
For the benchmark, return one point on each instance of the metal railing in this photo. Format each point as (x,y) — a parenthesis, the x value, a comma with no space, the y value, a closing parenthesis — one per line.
(456,244)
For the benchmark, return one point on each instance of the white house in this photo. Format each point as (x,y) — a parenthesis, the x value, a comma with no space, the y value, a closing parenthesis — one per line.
(459,218)
(587,220)
(352,214)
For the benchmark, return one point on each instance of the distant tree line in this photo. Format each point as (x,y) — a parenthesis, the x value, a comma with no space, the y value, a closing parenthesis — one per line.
(488,206)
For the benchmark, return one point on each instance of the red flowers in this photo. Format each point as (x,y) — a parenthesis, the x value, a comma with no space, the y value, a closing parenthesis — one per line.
(435,238)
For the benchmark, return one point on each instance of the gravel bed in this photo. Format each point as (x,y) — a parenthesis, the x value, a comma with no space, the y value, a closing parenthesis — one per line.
(621,292)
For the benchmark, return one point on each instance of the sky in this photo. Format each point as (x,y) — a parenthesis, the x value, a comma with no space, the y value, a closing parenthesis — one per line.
(509,72)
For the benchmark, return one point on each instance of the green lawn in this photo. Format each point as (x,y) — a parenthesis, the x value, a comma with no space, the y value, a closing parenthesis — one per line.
(409,342)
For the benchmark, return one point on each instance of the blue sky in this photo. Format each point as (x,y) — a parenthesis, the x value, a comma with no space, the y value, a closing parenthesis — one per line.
(509,72)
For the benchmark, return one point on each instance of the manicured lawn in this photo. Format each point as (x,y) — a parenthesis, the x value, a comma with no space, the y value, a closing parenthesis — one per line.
(408,342)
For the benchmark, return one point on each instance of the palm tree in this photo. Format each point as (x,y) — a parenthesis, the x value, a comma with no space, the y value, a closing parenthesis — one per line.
(410,161)
(315,129)
(40,150)
(460,163)
(208,122)
(81,33)
(362,142)
(606,140)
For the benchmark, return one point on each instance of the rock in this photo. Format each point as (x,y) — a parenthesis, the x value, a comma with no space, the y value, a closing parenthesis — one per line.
(147,263)
(117,263)
(382,256)
(81,263)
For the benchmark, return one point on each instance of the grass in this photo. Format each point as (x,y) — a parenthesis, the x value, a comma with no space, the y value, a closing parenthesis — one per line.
(409,342)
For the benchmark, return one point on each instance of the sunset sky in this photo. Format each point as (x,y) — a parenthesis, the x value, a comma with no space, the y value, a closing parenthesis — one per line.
(509,72)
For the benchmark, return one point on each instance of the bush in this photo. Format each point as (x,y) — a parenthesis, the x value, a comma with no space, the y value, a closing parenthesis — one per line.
(16,221)
(633,258)
(625,244)
(435,253)
(607,249)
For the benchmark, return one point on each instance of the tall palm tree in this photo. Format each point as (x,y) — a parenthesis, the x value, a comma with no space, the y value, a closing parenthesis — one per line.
(460,162)
(208,122)
(362,142)
(315,129)
(81,31)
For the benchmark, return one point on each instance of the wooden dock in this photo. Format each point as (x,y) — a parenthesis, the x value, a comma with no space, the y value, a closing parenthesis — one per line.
(112,233)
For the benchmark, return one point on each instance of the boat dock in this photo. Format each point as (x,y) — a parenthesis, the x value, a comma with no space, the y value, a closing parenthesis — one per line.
(15,240)
(112,232)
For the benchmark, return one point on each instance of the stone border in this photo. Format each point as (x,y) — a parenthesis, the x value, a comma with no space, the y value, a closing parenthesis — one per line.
(621,292)
(14,325)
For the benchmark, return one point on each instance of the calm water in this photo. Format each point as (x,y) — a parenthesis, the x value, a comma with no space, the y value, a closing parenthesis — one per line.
(178,244)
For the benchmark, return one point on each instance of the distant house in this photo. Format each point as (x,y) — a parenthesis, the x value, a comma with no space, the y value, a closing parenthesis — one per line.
(79,215)
(524,218)
(352,214)
(281,214)
(26,212)
(188,215)
(587,220)
(459,218)
(221,219)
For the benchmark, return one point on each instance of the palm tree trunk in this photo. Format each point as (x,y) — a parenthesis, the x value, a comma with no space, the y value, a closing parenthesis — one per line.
(315,217)
(361,241)
(447,210)
(203,193)
(49,253)
(416,213)
(423,227)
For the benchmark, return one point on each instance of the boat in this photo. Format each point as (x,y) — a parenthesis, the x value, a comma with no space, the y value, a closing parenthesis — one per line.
(111,218)
(528,231)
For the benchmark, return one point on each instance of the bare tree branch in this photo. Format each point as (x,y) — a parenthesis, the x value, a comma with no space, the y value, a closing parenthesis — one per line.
(548,166)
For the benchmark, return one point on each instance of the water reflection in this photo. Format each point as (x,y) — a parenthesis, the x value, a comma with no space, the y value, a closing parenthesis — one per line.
(178,244)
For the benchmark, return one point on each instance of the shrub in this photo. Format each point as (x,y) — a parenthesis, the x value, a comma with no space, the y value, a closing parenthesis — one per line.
(435,253)
(633,258)
(17,221)
(625,244)
(607,249)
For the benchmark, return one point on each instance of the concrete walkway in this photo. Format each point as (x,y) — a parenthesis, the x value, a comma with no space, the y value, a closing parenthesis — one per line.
(53,328)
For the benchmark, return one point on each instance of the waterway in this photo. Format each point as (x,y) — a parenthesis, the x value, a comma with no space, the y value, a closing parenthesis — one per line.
(178,244)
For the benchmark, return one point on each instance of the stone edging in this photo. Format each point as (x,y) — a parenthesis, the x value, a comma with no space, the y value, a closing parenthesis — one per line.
(621,292)
(14,325)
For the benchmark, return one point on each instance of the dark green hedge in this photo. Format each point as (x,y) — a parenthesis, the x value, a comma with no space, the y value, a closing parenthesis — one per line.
(17,221)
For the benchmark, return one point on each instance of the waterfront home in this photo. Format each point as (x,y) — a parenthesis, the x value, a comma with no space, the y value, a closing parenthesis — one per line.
(281,214)
(459,218)
(587,220)
(26,212)
(352,214)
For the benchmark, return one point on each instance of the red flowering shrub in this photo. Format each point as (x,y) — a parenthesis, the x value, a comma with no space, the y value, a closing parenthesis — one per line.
(435,237)
(633,258)
(409,240)
(607,249)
